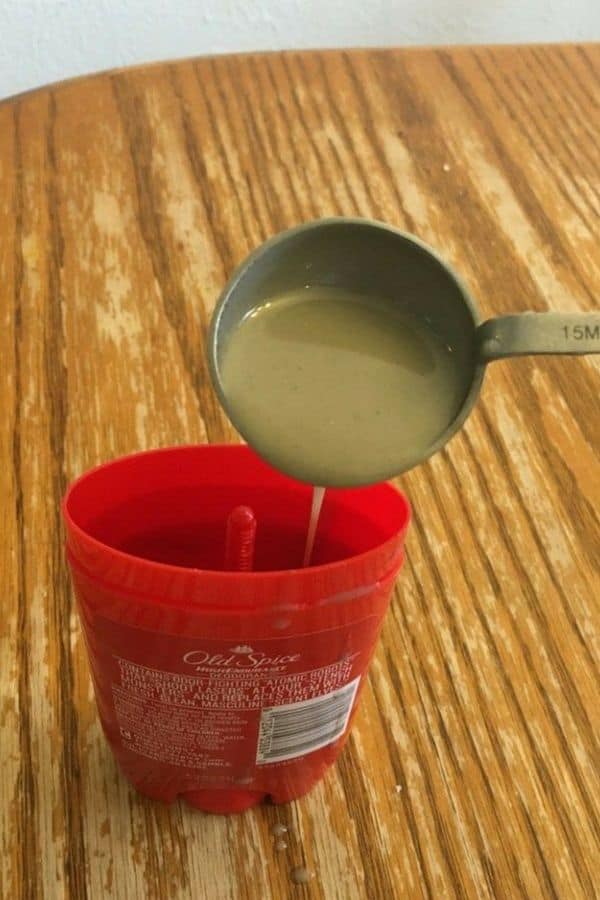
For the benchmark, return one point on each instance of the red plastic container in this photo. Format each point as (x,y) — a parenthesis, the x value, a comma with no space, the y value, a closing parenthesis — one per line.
(226,687)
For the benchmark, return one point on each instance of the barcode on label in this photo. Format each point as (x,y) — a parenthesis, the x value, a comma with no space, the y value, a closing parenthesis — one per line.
(298,728)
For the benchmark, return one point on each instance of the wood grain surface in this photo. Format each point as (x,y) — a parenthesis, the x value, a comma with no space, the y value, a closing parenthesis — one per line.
(125,202)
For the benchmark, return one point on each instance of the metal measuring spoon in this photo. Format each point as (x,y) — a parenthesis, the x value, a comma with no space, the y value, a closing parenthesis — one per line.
(379,260)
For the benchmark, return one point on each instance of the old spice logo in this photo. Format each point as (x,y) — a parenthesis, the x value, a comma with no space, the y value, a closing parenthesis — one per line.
(240,657)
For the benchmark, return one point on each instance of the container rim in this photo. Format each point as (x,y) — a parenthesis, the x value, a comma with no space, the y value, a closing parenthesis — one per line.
(147,565)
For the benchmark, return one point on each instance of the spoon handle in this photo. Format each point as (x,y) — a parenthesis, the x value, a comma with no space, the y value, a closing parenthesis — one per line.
(530,333)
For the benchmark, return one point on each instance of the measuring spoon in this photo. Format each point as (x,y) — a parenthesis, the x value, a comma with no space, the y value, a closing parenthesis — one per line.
(375,259)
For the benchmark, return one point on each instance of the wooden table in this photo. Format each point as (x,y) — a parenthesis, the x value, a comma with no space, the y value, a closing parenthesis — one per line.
(125,202)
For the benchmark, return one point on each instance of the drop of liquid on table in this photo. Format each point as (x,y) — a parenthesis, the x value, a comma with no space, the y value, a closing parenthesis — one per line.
(300,875)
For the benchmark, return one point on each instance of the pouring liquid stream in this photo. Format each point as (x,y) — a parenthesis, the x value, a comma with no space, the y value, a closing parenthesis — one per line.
(315,511)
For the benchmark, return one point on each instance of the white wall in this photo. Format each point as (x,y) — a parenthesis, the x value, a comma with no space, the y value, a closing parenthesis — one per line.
(46,40)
